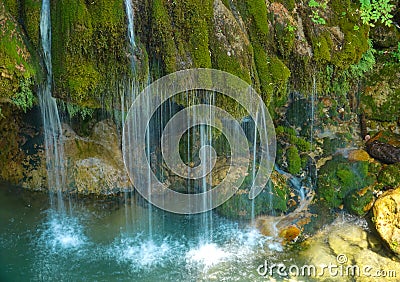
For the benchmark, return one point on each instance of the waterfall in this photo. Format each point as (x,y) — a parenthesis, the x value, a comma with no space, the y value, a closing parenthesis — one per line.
(253,173)
(131,30)
(51,119)
(128,98)
(313,94)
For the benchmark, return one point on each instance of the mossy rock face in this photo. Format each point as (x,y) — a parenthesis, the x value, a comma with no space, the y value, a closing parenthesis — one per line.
(182,28)
(359,202)
(31,18)
(293,159)
(89,42)
(231,48)
(389,176)
(12,7)
(273,198)
(384,36)
(338,178)
(21,153)
(346,16)
(17,67)
(380,99)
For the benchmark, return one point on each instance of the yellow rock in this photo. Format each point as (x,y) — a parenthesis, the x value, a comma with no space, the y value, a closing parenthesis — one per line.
(359,155)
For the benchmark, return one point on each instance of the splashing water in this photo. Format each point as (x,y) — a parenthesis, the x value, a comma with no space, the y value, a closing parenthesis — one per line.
(63,233)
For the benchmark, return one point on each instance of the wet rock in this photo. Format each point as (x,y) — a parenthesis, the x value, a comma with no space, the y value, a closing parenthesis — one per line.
(380,98)
(289,234)
(338,178)
(239,205)
(358,155)
(359,202)
(95,164)
(389,176)
(387,218)
(97,176)
(384,152)
(348,244)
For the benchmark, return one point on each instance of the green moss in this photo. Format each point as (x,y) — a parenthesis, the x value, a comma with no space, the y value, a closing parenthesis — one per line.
(164,44)
(322,47)
(82,80)
(272,199)
(285,37)
(12,8)
(89,42)
(380,99)
(31,18)
(338,177)
(330,146)
(294,160)
(258,11)
(389,177)
(17,68)
(359,202)
(273,75)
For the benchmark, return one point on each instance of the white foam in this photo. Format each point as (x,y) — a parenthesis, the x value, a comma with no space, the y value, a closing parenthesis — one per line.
(207,254)
(63,233)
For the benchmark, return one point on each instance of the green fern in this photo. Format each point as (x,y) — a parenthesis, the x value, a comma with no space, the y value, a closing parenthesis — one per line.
(373,11)
(24,98)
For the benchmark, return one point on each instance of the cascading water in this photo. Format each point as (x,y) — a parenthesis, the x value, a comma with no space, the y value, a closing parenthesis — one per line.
(51,119)
(128,98)
(253,170)
(313,94)
(131,30)
(313,97)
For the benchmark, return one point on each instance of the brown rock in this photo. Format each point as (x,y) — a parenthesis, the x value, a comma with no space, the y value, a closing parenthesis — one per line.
(384,152)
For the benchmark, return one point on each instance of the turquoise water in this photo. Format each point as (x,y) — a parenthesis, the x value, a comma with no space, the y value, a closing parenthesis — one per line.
(99,240)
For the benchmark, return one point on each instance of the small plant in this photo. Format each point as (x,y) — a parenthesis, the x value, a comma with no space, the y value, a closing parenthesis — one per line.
(373,11)
(356,27)
(396,54)
(315,17)
(24,98)
(290,27)
(366,63)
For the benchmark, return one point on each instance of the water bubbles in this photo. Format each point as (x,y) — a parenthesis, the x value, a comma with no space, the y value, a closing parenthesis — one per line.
(208,255)
(142,253)
(61,233)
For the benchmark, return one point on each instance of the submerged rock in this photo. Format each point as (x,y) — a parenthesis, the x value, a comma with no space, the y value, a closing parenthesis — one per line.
(387,218)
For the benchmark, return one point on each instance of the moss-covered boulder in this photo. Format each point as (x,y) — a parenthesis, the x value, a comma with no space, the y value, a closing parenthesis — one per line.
(274,198)
(387,218)
(338,178)
(389,176)
(359,202)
